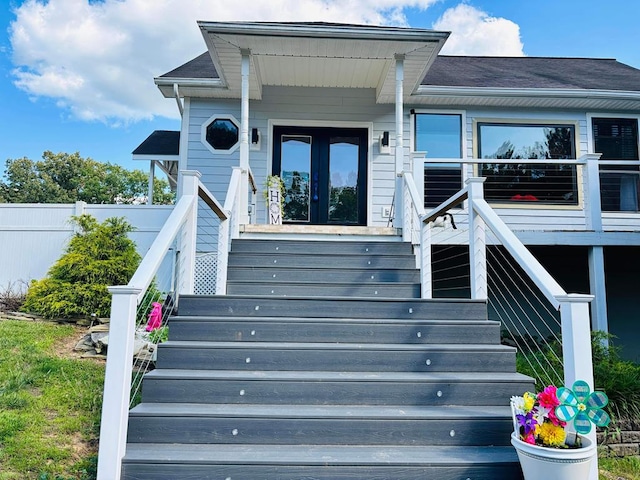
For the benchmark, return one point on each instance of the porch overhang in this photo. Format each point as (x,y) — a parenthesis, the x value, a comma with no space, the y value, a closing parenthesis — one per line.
(311,55)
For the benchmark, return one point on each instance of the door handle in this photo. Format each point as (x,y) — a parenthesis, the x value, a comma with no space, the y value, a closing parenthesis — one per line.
(314,187)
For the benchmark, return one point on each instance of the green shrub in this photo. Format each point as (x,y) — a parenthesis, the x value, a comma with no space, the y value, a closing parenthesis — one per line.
(99,255)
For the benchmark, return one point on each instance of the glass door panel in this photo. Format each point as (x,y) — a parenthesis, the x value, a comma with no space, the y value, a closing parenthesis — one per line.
(343,179)
(296,173)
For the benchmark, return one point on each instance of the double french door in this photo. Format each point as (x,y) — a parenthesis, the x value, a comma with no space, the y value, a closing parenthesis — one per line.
(324,172)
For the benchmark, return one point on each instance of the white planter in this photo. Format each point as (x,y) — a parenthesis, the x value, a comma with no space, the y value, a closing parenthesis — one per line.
(542,463)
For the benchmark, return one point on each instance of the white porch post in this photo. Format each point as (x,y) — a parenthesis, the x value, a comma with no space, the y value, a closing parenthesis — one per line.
(117,382)
(188,236)
(152,174)
(243,206)
(477,242)
(426,259)
(576,348)
(399,147)
(596,252)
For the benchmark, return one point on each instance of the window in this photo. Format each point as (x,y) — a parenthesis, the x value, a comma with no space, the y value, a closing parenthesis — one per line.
(440,135)
(617,139)
(221,134)
(554,184)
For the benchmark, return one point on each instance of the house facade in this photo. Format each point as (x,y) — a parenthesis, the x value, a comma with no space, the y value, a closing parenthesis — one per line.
(340,111)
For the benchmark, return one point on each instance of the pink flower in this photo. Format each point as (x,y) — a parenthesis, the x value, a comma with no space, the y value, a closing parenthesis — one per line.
(548,398)
(531,439)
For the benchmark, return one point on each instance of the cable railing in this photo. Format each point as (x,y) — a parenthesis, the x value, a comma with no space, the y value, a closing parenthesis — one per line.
(140,309)
(535,311)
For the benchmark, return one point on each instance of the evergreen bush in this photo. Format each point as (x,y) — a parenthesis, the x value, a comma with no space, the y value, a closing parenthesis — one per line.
(98,255)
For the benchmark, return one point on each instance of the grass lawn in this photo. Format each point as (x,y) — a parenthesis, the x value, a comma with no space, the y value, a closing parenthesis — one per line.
(50,407)
(49,403)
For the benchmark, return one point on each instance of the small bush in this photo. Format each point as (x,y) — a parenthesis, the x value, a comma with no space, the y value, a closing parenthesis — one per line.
(12,296)
(99,255)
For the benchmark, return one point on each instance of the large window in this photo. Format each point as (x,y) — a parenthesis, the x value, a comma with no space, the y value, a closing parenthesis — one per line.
(517,181)
(440,135)
(617,139)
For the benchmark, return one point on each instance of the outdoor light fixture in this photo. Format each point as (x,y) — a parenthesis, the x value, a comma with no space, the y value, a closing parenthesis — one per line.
(255,139)
(385,149)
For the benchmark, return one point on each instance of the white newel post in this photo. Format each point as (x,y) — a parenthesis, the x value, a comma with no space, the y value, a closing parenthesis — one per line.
(426,268)
(117,382)
(223,257)
(576,348)
(188,235)
(477,241)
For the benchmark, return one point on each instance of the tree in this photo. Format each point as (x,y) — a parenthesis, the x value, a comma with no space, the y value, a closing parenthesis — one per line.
(99,255)
(65,178)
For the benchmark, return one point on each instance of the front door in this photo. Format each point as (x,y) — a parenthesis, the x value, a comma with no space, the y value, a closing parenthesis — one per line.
(324,172)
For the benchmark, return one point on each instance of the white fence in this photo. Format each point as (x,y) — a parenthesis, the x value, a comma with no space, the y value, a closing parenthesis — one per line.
(33,236)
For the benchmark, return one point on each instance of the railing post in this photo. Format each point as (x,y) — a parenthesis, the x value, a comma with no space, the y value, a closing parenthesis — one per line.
(426,267)
(243,203)
(188,235)
(576,347)
(117,382)
(223,257)
(477,241)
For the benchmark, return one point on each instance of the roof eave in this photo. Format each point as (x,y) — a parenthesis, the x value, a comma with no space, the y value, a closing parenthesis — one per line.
(428,90)
(165,84)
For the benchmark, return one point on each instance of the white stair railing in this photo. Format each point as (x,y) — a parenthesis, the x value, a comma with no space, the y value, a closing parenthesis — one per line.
(574,308)
(180,229)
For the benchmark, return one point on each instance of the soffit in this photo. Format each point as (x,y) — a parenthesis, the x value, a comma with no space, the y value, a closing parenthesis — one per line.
(305,55)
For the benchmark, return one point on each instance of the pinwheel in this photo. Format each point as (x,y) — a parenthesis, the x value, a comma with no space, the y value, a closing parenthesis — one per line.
(582,406)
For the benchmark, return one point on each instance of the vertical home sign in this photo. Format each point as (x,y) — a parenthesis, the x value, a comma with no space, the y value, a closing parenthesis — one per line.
(275,209)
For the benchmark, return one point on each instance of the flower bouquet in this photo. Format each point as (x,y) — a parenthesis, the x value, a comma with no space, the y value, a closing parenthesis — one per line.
(547,449)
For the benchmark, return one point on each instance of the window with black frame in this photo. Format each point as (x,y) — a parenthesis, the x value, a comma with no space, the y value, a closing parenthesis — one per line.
(518,181)
(617,139)
(440,135)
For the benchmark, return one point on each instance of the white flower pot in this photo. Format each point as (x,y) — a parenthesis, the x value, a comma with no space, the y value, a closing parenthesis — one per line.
(543,463)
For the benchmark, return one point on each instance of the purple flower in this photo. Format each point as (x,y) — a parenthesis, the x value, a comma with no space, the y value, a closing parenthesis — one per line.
(527,423)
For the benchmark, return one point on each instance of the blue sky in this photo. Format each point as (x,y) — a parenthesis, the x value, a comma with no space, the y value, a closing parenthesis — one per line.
(78,75)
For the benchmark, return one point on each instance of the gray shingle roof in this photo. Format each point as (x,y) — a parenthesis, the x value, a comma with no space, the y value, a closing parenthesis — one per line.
(494,72)
(532,72)
(199,67)
(160,142)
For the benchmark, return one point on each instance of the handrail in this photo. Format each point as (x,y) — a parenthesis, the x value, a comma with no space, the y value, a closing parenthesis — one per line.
(207,197)
(413,192)
(445,206)
(151,262)
(252,180)
(543,280)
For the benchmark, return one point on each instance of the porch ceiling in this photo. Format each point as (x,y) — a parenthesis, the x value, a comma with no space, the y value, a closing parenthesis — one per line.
(318,55)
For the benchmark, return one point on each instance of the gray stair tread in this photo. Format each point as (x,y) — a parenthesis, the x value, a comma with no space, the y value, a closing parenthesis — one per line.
(469,377)
(320,412)
(340,321)
(390,347)
(316,454)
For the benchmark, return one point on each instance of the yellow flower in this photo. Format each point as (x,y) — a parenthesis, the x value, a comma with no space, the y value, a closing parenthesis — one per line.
(529,400)
(552,435)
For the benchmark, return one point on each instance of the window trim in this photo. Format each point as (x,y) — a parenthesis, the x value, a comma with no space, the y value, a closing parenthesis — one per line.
(532,121)
(209,121)
(591,116)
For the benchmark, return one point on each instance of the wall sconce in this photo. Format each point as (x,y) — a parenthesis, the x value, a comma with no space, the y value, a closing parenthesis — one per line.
(385,149)
(255,139)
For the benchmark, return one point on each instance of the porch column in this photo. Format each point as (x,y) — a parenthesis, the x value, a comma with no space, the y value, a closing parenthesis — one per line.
(593,214)
(243,207)
(152,174)
(399,148)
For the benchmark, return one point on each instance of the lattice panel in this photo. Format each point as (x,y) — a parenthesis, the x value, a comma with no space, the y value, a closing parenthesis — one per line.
(205,275)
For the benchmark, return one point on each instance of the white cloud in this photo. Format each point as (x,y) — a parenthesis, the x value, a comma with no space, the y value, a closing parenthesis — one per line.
(474,32)
(98,59)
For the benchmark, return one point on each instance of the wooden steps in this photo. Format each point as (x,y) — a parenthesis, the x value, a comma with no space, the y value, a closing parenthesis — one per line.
(321,384)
